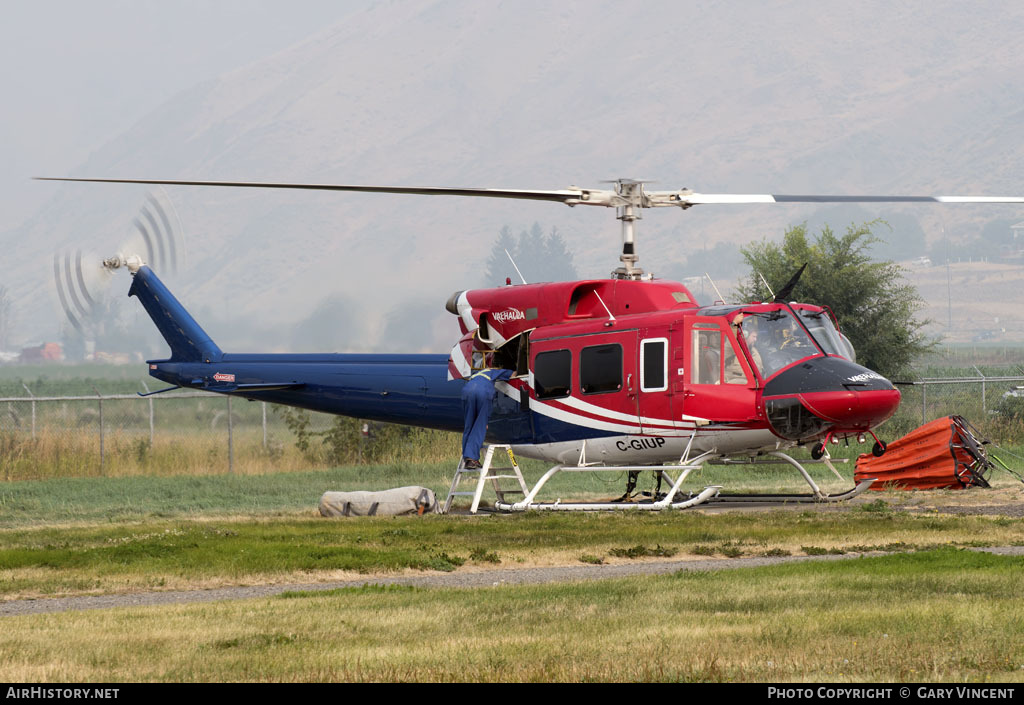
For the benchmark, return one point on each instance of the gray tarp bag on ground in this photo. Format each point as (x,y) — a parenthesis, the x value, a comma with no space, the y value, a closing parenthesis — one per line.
(401,500)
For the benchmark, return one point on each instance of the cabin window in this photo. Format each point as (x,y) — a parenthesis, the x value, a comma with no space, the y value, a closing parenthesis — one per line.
(654,365)
(552,374)
(601,369)
(706,360)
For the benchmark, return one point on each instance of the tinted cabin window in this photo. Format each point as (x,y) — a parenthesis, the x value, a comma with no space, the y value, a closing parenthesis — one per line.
(655,362)
(601,369)
(552,374)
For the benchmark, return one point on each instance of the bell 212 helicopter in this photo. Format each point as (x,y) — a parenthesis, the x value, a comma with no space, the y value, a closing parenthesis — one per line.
(625,373)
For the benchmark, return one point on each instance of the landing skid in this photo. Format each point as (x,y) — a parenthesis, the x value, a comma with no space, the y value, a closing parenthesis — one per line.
(674,498)
(796,498)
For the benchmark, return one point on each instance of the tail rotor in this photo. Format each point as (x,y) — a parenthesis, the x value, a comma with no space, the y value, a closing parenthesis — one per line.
(81,278)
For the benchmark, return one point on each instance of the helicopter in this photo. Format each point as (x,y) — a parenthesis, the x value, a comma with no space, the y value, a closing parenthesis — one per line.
(628,373)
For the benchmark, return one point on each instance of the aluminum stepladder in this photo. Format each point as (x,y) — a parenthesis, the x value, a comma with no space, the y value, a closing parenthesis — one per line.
(485,473)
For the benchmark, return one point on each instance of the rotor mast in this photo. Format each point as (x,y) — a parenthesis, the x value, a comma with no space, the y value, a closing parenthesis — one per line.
(631,192)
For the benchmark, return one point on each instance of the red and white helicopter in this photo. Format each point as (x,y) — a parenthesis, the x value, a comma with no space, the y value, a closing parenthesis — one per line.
(625,373)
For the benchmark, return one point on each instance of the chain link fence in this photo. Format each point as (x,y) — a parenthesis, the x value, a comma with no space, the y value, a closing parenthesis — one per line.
(204,433)
(993,404)
(119,434)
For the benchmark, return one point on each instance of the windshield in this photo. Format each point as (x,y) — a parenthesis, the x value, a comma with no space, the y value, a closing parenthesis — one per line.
(819,323)
(775,340)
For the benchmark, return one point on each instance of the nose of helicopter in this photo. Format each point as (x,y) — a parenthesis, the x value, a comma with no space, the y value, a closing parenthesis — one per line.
(853,410)
(828,393)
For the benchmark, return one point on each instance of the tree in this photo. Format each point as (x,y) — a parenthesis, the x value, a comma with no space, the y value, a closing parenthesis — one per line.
(103,328)
(557,259)
(497,263)
(539,258)
(875,306)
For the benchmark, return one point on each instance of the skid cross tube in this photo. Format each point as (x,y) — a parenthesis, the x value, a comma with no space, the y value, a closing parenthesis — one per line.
(707,495)
(665,503)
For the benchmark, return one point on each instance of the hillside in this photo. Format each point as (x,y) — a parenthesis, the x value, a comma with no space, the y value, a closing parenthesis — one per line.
(717,96)
(982,299)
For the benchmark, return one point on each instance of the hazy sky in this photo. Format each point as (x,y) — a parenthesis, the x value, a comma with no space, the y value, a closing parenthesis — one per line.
(74,75)
(788,96)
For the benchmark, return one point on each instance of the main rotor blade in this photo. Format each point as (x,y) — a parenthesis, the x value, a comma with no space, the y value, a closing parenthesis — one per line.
(728,198)
(575,196)
(569,196)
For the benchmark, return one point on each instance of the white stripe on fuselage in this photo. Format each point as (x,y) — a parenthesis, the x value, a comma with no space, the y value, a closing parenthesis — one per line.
(611,421)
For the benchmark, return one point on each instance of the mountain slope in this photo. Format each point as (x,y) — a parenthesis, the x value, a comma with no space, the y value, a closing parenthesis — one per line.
(718,96)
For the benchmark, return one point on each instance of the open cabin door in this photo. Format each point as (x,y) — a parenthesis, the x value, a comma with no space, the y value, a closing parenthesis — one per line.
(471,354)
(714,382)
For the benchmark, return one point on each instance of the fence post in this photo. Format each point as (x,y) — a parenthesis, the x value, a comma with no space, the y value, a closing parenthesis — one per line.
(100,404)
(150,399)
(231,441)
(981,374)
(33,409)
(924,403)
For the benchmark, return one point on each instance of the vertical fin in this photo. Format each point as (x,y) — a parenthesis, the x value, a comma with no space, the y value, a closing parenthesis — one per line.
(188,341)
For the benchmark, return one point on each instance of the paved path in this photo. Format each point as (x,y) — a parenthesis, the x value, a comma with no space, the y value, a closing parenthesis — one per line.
(486,578)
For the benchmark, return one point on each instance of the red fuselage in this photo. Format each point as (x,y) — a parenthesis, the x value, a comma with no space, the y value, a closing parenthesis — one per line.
(624,359)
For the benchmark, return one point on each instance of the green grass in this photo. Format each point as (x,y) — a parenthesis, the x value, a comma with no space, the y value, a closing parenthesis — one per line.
(944,615)
(85,499)
(53,379)
(117,499)
(114,556)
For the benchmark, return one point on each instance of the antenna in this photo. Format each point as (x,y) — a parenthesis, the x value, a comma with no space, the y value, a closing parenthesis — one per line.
(514,265)
(611,318)
(766,285)
(720,297)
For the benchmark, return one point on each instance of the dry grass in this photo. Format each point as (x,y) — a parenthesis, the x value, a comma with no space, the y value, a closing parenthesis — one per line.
(63,454)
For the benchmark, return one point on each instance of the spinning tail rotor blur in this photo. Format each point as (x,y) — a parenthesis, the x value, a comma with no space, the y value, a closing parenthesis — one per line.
(81,277)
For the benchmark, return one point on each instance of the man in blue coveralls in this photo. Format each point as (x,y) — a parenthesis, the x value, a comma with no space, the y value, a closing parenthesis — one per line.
(477,396)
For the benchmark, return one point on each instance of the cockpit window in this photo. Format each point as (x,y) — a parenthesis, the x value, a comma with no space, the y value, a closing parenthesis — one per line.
(775,340)
(819,323)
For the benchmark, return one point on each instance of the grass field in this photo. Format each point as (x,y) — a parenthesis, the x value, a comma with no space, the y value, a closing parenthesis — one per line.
(927,611)
(206,551)
(942,615)
(919,608)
